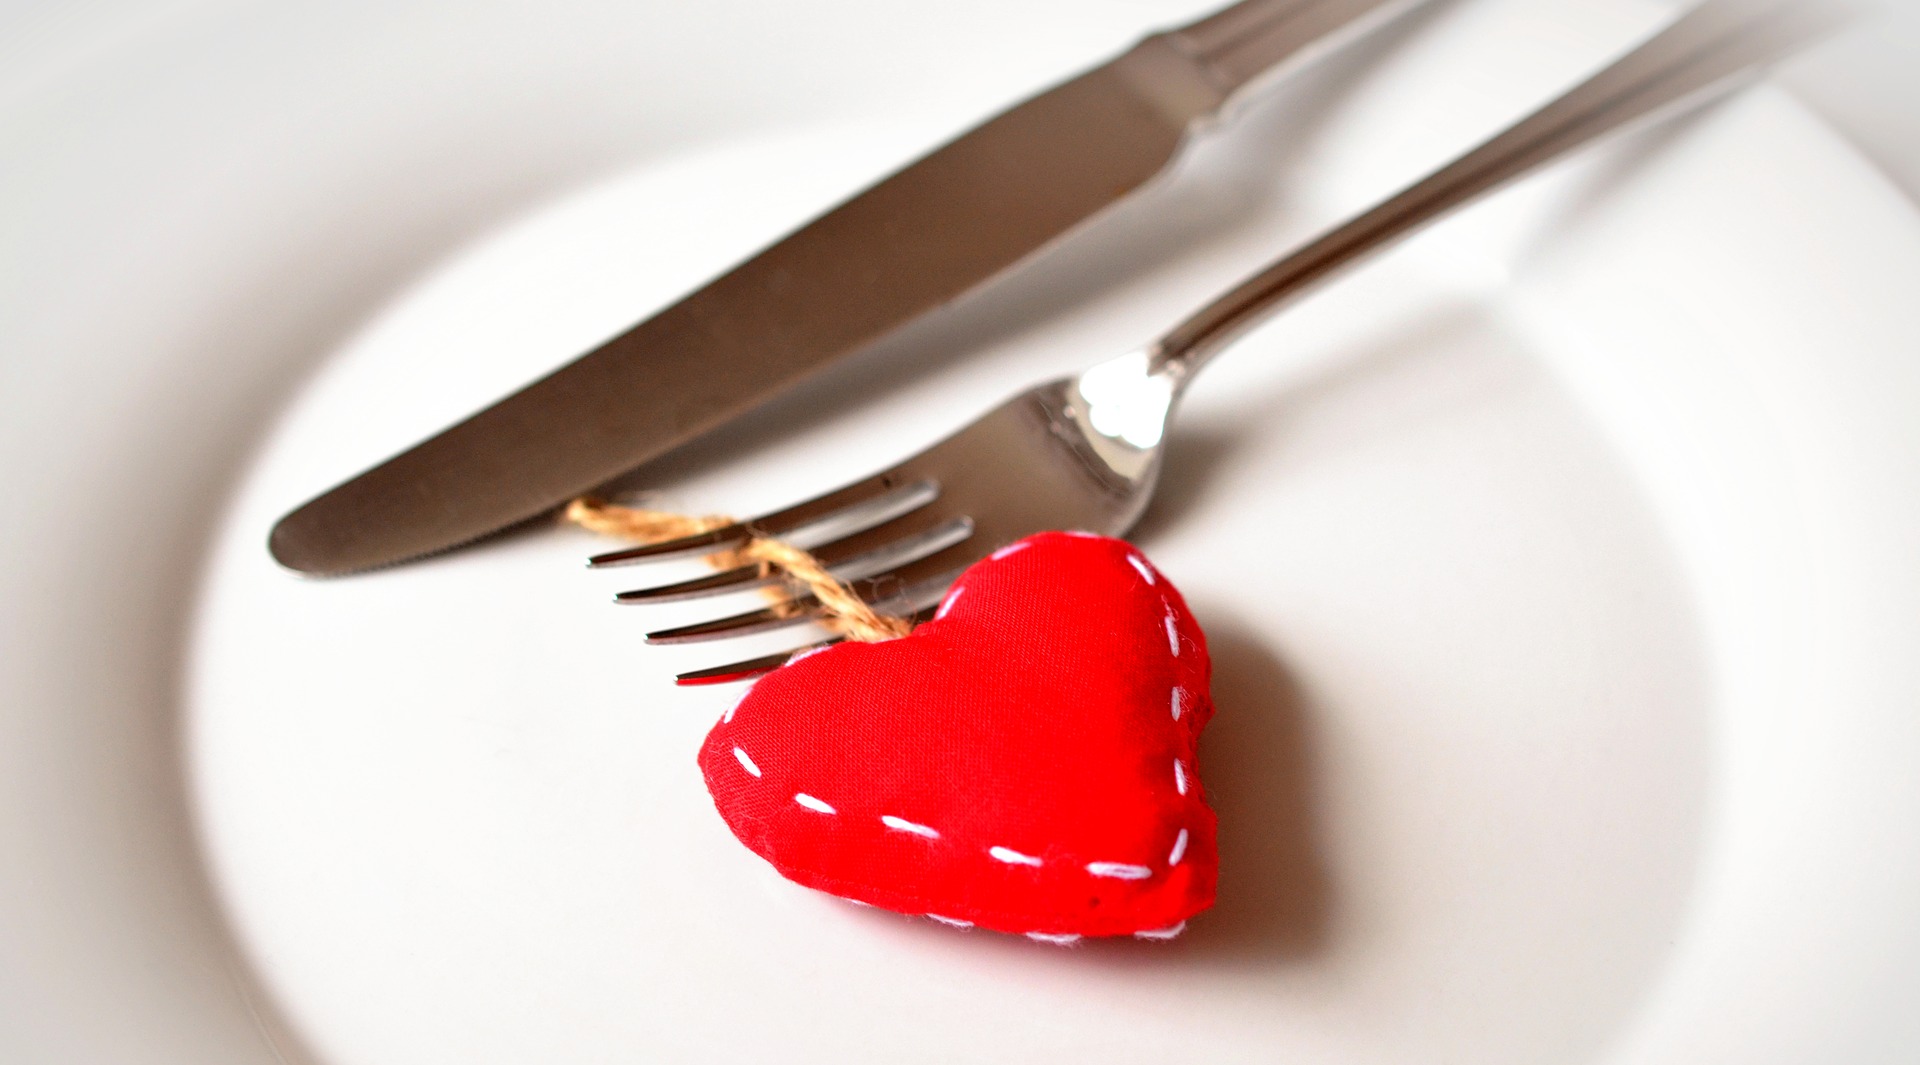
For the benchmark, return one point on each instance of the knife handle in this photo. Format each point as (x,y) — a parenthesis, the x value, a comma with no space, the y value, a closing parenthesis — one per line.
(1238,44)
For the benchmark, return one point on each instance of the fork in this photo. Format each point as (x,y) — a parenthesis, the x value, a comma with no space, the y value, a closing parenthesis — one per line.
(1084,452)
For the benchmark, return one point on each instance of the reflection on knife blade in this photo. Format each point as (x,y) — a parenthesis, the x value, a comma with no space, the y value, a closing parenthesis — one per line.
(917,240)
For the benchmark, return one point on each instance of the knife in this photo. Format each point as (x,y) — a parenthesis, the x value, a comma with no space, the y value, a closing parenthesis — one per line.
(917,240)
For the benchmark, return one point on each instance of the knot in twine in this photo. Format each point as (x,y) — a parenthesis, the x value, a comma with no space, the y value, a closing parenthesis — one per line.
(845,613)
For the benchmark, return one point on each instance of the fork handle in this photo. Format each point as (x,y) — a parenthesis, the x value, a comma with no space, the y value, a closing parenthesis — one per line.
(1701,50)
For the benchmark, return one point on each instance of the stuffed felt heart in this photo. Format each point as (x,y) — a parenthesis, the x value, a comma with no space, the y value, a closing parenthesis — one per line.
(1023,762)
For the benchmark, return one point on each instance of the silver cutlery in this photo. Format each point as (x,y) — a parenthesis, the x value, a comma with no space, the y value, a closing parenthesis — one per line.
(1084,452)
(923,237)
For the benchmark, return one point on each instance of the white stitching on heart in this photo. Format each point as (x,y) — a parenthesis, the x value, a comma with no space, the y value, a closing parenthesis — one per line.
(954,921)
(813,804)
(905,825)
(1173,634)
(1013,857)
(1176,702)
(1010,549)
(952,598)
(1161,933)
(745,762)
(1114,870)
(808,653)
(1140,564)
(1061,938)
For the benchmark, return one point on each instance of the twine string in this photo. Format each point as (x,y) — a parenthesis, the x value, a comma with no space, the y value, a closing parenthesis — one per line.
(845,613)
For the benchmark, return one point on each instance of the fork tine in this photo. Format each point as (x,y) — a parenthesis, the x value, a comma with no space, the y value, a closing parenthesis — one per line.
(706,543)
(911,582)
(778,616)
(747,670)
(910,536)
(858,505)
(923,582)
(737,579)
(756,667)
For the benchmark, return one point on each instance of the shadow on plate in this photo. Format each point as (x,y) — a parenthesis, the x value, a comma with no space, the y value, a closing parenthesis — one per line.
(1257,764)
(1201,448)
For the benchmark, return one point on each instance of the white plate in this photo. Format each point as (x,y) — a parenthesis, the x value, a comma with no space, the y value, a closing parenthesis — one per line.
(1558,566)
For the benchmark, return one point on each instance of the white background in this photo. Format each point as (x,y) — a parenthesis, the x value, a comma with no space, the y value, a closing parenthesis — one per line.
(1866,81)
(1864,78)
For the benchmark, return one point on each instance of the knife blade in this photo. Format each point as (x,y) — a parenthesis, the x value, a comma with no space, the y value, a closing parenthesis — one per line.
(915,241)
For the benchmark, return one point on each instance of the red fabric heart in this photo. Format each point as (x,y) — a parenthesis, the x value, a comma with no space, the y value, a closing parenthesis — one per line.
(1024,762)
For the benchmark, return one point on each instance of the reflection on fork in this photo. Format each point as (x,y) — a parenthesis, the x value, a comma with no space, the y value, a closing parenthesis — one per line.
(1084,452)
